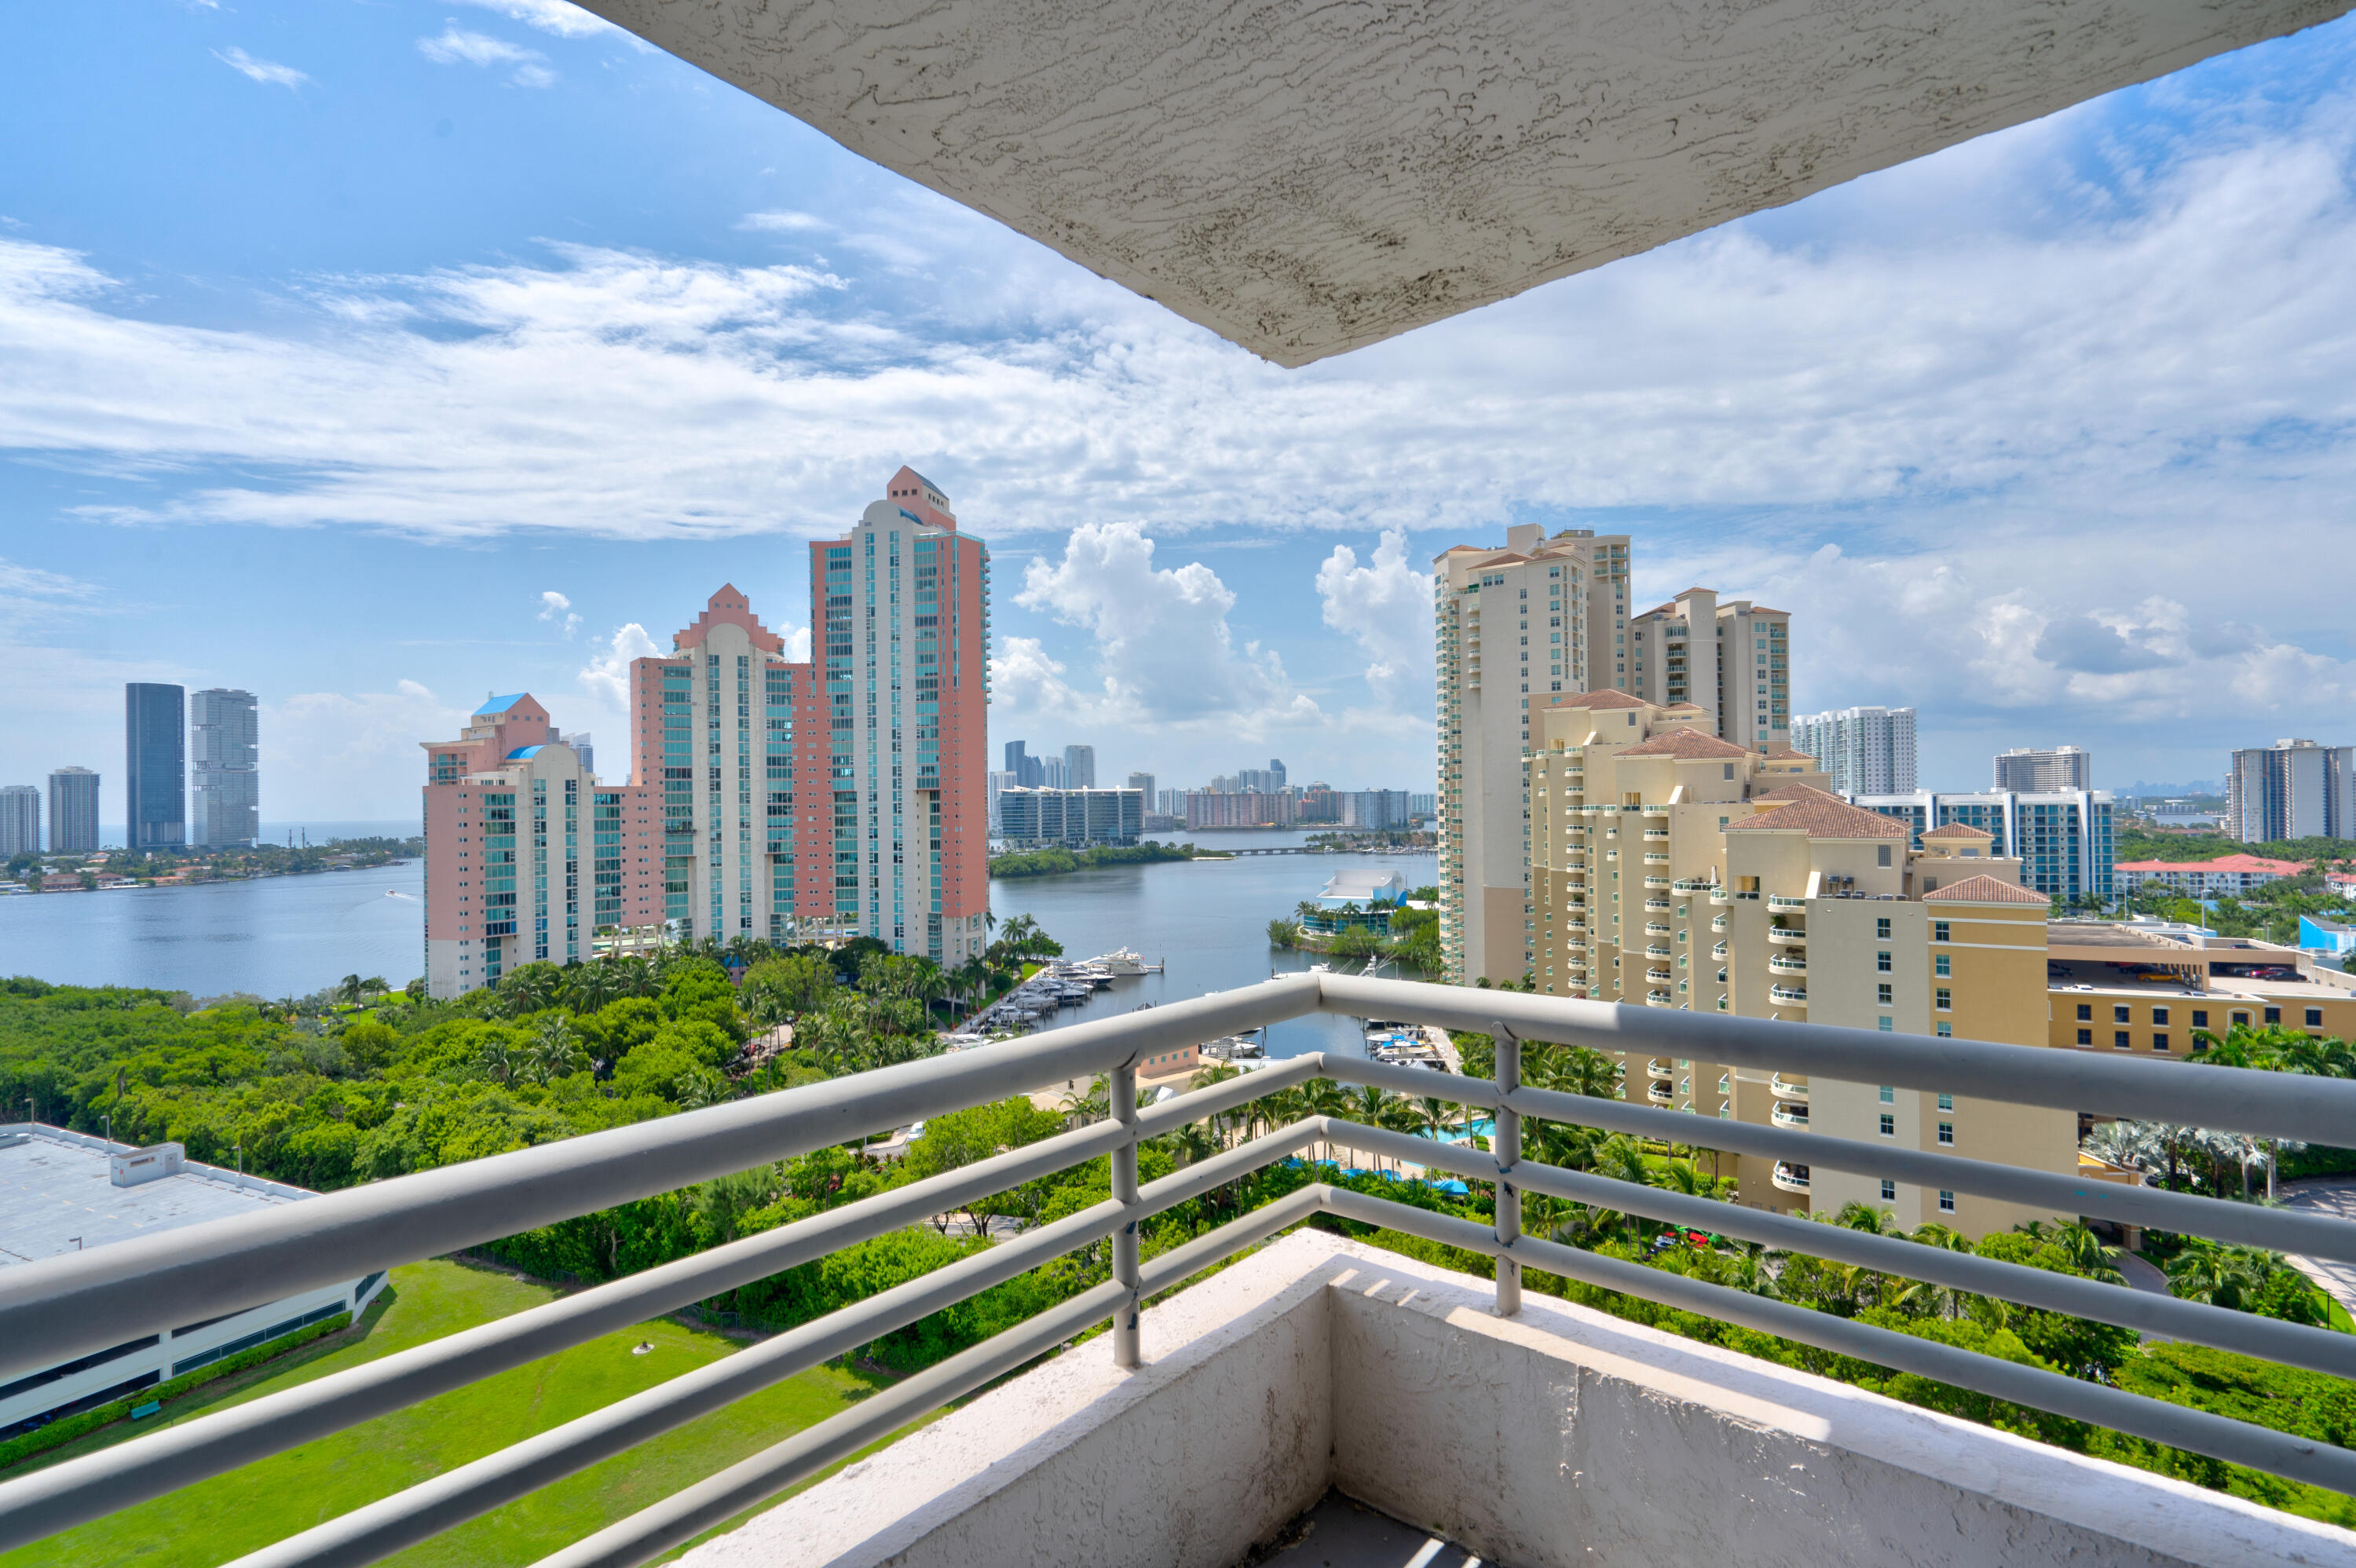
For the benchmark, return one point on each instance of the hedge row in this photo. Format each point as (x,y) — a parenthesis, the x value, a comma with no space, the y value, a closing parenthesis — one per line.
(66,1429)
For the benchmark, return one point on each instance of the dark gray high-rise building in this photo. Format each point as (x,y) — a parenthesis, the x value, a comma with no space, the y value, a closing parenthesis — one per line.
(1030,772)
(155,756)
(224,753)
(20,821)
(74,811)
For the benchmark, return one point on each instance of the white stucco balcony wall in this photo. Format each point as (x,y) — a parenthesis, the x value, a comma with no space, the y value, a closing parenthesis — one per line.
(1562,1437)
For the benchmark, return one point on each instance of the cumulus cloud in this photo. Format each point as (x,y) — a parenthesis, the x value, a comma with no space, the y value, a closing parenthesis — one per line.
(1164,649)
(2089,646)
(606,676)
(261,71)
(357,749)
(1385,607)
(556,608)
(456,46)
(2161,362)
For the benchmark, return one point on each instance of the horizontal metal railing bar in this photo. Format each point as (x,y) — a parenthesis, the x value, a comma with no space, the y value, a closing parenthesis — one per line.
(98,1484)
(2180,1426)
(391,1523)
(1257,1083)
(2318,1110)
(684,1515)
(681,1518)
(2248,1224)
(376,1531)
(64,1306)
(2245,1333)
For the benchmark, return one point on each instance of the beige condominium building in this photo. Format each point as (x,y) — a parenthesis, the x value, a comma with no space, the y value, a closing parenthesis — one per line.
(1732,659)
(1514,628)
(1830,918)
(1675,869)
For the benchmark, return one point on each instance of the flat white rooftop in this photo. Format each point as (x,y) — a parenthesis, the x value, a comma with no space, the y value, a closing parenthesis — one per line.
(56,1186)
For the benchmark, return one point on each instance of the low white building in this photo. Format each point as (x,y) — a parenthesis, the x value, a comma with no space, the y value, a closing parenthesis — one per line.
(64,1191)
(1363,889)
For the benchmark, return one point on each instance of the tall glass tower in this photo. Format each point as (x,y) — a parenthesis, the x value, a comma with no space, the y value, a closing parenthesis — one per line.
(154,758)
(223,746)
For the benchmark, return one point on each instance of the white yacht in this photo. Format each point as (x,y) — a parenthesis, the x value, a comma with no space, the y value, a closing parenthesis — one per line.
(1128,961)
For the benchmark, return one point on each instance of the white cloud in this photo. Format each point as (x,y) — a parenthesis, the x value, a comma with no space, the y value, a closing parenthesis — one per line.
(269,71)
(1162,646)
(566,21)
(606,676)
(357,749)
(555,607)
(1385,607)
(782,222)
(456,46)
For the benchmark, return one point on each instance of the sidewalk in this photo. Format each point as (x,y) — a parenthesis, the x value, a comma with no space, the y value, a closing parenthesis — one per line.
(2334,1196)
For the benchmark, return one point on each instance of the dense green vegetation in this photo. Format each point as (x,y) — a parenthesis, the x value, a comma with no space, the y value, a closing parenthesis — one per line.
(198,863)
(2143,844)
(1056,861)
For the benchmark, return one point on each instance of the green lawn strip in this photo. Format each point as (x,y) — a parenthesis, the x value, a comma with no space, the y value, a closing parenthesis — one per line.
(278,1496)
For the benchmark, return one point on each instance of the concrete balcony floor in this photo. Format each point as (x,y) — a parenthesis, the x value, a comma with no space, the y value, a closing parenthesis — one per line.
(1560,1436)
(1343,1532)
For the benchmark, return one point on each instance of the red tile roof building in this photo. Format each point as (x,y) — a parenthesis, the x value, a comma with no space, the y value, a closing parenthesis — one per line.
(2204,878)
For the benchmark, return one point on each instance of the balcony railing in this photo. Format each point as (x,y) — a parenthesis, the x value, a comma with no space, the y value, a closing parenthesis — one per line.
(59,1308)
(1782,901)
(1789,995)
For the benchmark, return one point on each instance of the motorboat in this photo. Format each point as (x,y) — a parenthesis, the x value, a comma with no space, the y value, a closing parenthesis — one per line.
(1126,961)
(1235,1048)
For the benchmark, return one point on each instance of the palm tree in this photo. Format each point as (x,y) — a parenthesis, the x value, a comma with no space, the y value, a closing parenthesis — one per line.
(349,987)
(498,1060)
(555,1052)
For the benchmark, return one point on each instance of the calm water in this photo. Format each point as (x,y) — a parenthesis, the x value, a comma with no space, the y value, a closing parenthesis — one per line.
(290,935)
(1206,919)
(276,936)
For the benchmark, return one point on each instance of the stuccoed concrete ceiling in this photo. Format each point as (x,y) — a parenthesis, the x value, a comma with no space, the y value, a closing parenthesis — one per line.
(1304,179)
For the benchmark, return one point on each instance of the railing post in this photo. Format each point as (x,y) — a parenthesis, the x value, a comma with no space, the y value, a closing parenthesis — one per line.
(1506,1148)
(1125,1351)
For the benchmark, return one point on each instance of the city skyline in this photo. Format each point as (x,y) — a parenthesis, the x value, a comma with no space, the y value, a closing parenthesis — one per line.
(1274,596)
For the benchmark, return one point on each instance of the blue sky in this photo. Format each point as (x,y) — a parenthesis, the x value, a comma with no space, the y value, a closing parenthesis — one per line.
(335,339)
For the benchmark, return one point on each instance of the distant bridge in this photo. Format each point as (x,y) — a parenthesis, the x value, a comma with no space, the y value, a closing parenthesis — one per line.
(1282,849)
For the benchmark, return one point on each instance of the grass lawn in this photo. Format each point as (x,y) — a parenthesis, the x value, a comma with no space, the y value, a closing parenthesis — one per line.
(275,1497)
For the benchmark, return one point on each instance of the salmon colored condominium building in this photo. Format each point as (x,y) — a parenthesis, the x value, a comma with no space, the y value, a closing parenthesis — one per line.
(788,800)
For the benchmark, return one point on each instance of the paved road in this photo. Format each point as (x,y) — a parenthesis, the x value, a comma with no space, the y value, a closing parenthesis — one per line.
(2144,1274)
(2335,1196)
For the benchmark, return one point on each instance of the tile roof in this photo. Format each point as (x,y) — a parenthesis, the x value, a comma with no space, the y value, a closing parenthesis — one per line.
(1607,698)
(2256,863)
(1830,817)
(1960,830)
(1688,743)
(1985,890)
(1796,792)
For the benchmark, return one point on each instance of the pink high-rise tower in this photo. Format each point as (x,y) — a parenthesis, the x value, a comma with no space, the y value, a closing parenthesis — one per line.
(768,797)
